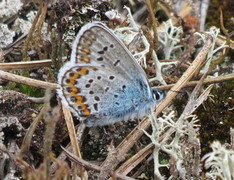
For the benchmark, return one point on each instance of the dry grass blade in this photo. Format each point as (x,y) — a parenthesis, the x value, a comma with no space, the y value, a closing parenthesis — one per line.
(30,33)
(88,165)
(72,134)
(53,86)
(80,161)
(25,65)
(219,41)
(71,129)
(131,163)
(27,81)
(28,136)
(195,101)
(206,81)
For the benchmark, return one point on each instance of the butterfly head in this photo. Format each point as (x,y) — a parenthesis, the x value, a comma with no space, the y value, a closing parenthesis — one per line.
(158,95)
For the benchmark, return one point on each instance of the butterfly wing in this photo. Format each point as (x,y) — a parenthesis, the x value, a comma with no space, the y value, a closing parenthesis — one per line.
(101,95)
(103,82)
(97,45)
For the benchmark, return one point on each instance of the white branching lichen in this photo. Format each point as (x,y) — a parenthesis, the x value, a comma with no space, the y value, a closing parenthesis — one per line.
(170,39)
(214,32)
(113,14)
(127,34)
(174,145)
(221,162)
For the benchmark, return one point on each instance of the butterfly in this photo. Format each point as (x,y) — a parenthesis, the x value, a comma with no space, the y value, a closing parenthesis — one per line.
(102,83)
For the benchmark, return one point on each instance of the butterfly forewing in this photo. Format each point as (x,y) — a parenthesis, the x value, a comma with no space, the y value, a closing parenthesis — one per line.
(97,45)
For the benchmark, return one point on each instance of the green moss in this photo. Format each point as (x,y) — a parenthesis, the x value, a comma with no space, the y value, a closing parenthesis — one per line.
(213,15)
(216,116)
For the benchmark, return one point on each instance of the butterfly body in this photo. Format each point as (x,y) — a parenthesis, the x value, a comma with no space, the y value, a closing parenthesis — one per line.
(102,82)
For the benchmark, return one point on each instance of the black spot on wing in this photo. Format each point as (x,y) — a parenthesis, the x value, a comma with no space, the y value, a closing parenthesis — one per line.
(105,48)
(97,98)
(116,62)
(107,89)
(111,77)
(111,45)
(100,59)
(87,85)
(95,106)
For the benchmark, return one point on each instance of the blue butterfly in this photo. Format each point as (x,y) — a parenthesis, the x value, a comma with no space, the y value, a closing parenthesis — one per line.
(103,83)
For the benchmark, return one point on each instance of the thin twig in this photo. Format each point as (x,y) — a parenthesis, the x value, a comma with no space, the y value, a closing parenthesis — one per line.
(27,81)
(54,86)
(38,39)
(154,24)
(206,81)
(218,61)
(25,65)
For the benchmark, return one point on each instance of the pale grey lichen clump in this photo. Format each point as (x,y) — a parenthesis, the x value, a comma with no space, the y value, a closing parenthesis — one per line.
(6,36)
(221,162)
(21,26)
(7,122)
(7,9)
(173,145)
(214,32)
(170,39)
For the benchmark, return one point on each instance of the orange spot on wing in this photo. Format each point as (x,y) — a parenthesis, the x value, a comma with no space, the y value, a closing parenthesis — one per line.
(78,99)
(83,71)
(84,106)
(73,78)
(74,91)
(87,50)
(86,112)
(86,59)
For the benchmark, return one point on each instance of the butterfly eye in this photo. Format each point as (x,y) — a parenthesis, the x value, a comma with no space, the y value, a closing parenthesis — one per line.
(157,94)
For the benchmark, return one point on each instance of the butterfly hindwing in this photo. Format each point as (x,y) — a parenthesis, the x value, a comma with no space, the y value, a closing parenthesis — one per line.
(98,93)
